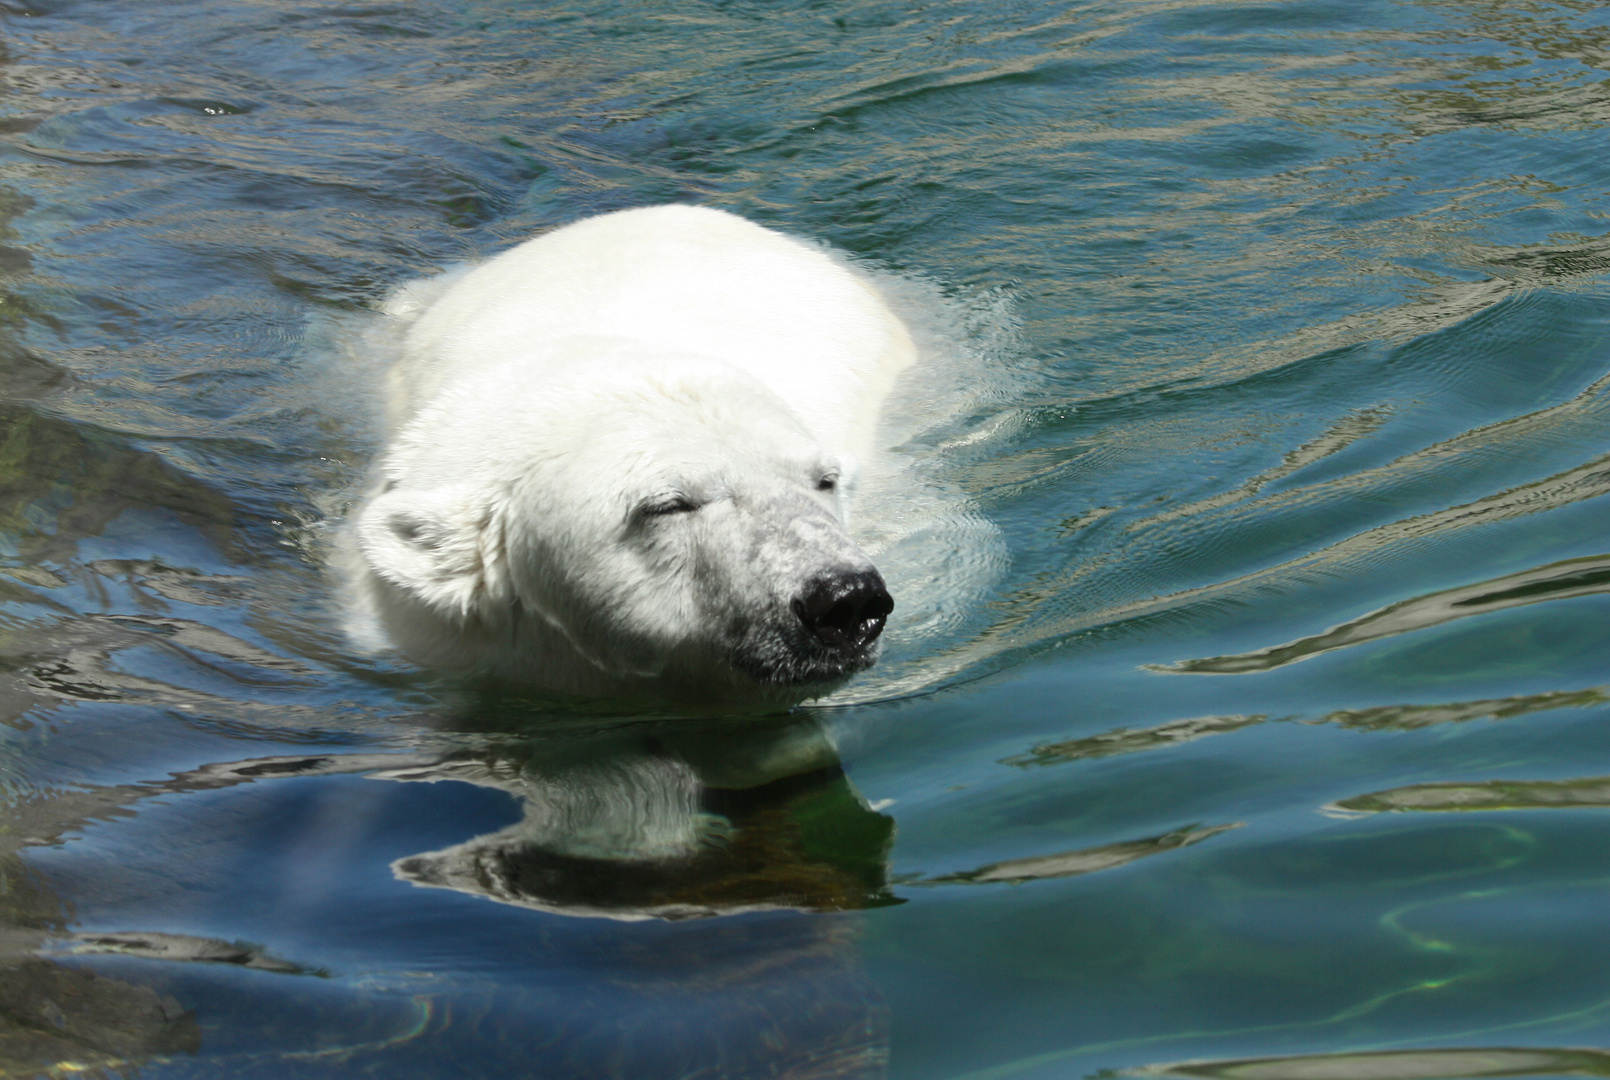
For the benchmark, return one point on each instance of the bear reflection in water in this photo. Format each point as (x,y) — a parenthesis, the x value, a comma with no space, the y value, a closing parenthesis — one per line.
(684,821)
(668,822)
(643,823)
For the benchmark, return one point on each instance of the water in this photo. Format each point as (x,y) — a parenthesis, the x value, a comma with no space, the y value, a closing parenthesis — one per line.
(1275,744)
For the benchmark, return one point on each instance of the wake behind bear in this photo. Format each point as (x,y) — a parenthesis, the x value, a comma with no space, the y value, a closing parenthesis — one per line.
(621,460)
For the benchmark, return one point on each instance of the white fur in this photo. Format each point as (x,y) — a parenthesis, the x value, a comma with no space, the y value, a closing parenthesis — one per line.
(548,401)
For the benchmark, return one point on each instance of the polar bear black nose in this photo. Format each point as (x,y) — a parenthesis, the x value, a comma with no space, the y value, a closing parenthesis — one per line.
(846,611)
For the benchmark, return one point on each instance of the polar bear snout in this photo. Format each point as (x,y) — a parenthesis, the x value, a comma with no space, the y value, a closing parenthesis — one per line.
(846,611)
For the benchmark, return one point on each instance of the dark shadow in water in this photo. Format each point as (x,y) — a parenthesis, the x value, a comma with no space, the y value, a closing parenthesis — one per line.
(1556,581)
(1430,1064)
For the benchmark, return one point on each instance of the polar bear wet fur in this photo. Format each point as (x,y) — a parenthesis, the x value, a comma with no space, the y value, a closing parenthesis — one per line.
(621,461)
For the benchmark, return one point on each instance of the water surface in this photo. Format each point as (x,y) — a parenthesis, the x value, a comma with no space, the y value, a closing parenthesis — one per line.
(1275,747)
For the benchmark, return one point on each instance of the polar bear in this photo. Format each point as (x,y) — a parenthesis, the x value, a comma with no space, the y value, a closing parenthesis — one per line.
(621,460)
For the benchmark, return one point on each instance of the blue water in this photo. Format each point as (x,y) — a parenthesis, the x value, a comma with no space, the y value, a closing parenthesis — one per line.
(1276,746)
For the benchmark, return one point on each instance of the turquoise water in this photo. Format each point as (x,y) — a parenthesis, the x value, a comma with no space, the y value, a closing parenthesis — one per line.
(1277,747)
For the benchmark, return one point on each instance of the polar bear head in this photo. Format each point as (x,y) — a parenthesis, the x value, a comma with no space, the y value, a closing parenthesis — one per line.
(618,521)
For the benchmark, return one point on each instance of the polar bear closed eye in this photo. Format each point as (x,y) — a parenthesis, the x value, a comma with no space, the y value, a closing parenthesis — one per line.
(622,459)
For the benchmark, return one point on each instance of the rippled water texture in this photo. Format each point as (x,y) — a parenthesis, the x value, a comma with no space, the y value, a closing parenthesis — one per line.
(1274,748)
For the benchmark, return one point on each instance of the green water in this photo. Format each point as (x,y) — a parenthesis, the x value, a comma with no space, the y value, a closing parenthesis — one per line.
(1277,745)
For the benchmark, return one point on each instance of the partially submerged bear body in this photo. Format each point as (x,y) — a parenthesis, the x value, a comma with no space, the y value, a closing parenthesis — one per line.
(621,459)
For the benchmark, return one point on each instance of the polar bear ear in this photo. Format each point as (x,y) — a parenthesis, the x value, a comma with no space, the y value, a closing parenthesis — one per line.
(442,547)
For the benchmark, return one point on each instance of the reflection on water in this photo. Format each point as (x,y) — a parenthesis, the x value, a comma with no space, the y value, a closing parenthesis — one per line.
(1406,717)
(62,482)
(1283,520)
(1127,741)
(183,948)
(1089,860)
(1409,717)
(1485,795)
(1557,581)
(659,822)
(679,821)
(1400,1065)
(57,1020)
(57,1016)
(676,824)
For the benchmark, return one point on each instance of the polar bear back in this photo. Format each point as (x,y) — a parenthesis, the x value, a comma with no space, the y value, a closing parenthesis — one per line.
(686,279)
